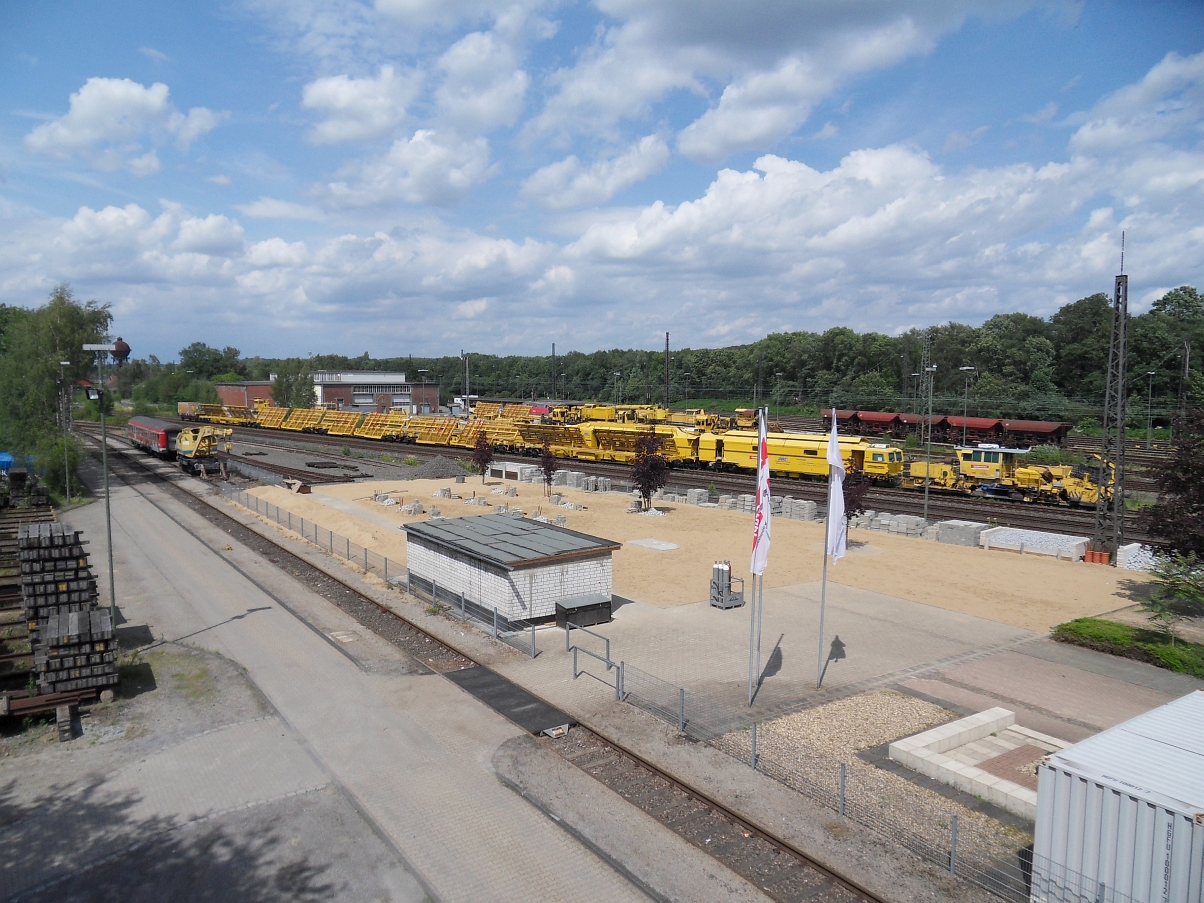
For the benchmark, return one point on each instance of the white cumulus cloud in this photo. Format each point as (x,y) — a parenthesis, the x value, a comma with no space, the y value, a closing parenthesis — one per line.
(214,235)
(429,168)
(109,119)
(358,109)
(483,88)
(273,208)
(569,183)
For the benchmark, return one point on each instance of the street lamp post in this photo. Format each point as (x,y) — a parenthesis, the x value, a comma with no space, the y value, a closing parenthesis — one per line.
(1149,410)
(120,351)
(966,402)
(66,403)
(618,389)
(910,395)
(928,465)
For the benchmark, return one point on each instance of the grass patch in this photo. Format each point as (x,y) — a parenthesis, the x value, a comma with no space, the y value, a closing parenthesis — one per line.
(1149,646)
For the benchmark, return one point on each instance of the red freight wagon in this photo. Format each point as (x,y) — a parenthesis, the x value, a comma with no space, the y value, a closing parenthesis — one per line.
(155,436)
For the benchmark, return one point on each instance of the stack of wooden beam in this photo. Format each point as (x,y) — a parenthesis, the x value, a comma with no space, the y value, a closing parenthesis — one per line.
(73,641)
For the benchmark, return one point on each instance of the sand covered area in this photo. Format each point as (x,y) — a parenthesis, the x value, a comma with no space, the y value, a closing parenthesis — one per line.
(1024,591)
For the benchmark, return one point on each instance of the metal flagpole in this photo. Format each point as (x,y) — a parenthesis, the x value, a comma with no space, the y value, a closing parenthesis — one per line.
(823,598)
(752,635)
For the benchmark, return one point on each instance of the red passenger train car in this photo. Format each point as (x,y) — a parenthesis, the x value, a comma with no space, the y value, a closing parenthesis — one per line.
(155,436)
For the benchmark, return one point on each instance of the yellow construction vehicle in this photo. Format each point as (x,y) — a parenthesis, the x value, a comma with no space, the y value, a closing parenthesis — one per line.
(197,449)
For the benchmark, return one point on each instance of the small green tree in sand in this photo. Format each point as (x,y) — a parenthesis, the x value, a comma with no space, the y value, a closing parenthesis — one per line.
(550,465)
(1178,593)
(650,470)
(482,454)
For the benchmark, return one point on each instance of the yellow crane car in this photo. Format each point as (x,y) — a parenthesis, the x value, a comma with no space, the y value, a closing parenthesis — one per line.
(197,449)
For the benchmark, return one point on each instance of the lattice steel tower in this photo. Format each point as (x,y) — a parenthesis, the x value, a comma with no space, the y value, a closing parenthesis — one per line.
(1110,525)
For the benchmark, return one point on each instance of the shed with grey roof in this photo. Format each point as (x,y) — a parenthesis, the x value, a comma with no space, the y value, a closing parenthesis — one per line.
(520,567)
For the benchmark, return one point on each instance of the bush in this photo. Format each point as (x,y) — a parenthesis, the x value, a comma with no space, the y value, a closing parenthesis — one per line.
(1133,642)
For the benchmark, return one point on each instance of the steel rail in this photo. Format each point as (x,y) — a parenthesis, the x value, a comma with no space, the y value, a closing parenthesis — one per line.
(751,826)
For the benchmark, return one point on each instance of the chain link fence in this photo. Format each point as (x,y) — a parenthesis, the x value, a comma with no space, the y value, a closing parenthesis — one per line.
(519,634)
(999,861)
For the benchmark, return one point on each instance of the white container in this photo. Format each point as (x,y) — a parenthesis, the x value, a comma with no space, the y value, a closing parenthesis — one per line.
(1125,809)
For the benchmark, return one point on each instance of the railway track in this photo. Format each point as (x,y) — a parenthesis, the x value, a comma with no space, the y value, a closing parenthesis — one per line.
(941,505)
(781,870)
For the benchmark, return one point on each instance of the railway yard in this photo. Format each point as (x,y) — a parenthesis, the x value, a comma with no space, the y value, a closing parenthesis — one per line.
(649,791)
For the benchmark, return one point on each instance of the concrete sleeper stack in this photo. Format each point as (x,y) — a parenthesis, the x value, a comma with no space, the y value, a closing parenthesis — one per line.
(72,640)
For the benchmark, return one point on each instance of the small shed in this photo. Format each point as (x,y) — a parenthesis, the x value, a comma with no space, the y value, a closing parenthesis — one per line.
(1124,810)
(518,566)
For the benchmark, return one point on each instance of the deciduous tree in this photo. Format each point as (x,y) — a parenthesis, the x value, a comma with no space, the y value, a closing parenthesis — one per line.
(482,453)
(550,465)
(1178,515)
(650,470)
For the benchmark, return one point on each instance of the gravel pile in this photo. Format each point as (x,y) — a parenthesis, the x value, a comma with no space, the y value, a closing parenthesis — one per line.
(1033,539)
(1135,557)
(805,750)
(437,468)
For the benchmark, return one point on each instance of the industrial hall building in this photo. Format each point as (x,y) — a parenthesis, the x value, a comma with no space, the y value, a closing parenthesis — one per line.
(349,390)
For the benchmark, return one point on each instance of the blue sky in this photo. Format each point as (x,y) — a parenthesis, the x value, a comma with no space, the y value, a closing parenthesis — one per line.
(421,176)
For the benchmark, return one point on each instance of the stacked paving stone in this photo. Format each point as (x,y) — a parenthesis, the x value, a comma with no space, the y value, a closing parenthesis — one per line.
(72,640)
(960,532)
(794,509)
(900,524)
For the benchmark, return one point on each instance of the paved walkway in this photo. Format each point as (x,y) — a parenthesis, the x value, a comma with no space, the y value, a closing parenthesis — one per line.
(412,752)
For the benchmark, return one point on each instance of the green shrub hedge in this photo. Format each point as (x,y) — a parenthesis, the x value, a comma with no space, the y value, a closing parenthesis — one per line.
(1124,640)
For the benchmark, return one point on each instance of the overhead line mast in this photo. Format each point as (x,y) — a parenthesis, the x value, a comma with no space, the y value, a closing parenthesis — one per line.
(1110,524)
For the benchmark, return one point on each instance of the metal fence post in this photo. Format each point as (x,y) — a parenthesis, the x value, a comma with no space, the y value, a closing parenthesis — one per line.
(532,641)
(463,613)
(566,635)
(495,622)
(622,681)
(842,780)
(753,761)
(365,561)
(434,591)
(290,520)
(348,555)
(681,710)
(386,570)
(953,848)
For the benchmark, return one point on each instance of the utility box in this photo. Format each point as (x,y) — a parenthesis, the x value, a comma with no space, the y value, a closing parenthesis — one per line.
(1120,816)
(584,611)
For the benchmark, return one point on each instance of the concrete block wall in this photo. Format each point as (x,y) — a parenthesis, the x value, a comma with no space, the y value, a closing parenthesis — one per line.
(925,753)
(522,594)
(960,532)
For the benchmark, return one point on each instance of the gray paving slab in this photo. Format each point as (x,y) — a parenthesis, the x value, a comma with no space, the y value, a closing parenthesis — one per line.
(1078,696)
(670,867)
(1123,669)
(411,752)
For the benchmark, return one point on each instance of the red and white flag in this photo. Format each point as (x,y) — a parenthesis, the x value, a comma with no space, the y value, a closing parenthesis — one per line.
(837,527)
(760,547)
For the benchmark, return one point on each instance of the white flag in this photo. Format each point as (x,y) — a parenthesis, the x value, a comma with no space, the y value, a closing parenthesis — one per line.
(760,547)
(837,527)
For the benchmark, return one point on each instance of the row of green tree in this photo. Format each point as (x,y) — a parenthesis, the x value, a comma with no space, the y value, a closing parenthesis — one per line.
(41,359)
(1022,366)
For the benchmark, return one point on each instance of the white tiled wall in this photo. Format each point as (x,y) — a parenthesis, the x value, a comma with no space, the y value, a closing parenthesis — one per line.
(521,594)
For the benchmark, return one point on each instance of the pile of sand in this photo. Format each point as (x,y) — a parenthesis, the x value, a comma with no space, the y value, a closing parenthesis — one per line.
(1033,592)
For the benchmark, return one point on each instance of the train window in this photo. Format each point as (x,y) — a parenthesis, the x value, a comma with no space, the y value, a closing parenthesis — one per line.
(978,456)
(965,456)
(810,451)
(878,457)
(992,457)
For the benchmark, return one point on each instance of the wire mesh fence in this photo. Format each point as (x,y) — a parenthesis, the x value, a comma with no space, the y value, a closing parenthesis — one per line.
(969,846)
(519,634)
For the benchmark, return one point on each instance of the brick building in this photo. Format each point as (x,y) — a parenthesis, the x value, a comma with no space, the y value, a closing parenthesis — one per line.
(374,390)
(245,394)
